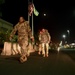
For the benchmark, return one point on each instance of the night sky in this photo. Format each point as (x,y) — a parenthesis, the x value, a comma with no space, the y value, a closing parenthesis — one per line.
(60,16)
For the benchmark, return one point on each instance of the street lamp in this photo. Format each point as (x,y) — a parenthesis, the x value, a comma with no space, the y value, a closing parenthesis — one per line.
(68,31)
(64,36)
(44,14)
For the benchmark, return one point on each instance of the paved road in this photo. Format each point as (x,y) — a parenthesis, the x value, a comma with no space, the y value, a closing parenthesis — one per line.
(56,64)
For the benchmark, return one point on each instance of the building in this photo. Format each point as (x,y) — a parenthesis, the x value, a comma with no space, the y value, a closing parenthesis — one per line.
(5,30)
(5,26)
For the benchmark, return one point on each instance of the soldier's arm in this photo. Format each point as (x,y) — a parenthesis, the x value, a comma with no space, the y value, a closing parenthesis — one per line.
(13,31)
(49,37)
(39,37)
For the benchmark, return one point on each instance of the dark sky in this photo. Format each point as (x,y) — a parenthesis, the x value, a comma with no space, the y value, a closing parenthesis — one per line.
(60,16)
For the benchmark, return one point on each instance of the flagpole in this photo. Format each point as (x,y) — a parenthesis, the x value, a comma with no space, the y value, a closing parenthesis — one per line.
(29,19)
(28,15)
(32,24)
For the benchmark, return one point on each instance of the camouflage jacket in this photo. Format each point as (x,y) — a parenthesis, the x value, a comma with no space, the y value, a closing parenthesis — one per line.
(23,29)
(44,37)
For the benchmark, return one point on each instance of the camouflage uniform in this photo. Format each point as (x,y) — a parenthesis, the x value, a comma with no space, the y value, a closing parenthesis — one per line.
(24,31)
(40,45)
(45,40)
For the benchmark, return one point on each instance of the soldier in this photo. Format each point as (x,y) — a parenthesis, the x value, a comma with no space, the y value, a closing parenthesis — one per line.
(40,46)
(24,31)
(45,39)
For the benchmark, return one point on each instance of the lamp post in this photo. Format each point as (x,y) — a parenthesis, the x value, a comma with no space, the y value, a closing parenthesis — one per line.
(68,31)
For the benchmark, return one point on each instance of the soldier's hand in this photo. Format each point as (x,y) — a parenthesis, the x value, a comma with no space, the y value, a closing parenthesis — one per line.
(32,38)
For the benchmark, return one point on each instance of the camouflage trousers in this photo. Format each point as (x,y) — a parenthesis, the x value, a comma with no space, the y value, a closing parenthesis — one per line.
(44,48)
(40,48)
(23,42)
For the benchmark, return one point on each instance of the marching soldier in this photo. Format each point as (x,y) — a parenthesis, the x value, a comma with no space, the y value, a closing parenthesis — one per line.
(45,39)
(24,31)
(40,46)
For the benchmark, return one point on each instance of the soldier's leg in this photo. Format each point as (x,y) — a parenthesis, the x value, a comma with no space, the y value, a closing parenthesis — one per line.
(43,49)
(47,49)
(29,49)
(40,49)
(23,57)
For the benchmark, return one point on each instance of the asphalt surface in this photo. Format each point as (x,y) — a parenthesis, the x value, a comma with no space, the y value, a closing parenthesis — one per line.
(58,63)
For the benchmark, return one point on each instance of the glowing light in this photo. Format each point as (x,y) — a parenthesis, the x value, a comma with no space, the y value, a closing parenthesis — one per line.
(64,36)
(44,14)
(60,43)
(58,49)
(68,31)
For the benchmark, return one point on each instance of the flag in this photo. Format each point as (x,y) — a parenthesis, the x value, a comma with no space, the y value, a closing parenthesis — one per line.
(30,8)
(36,13)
